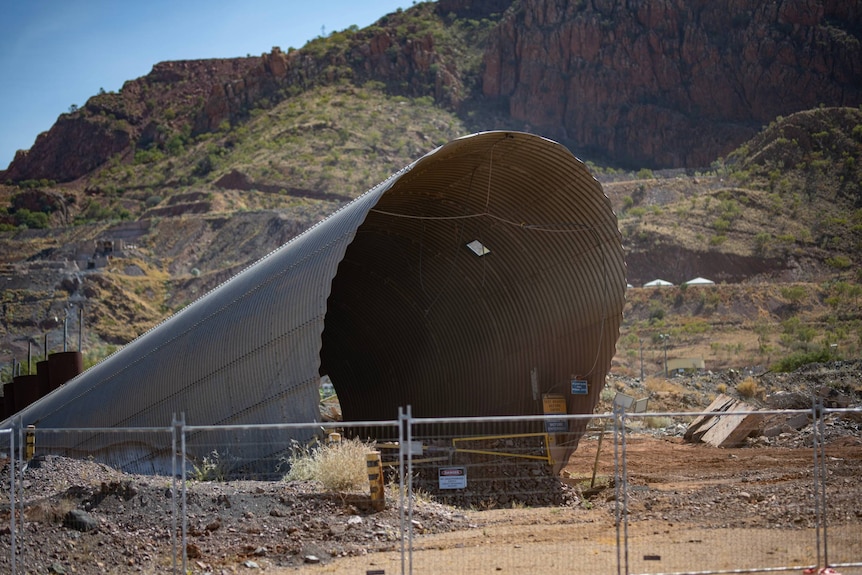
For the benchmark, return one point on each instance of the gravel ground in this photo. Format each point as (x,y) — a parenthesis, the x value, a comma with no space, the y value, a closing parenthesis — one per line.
(84,517)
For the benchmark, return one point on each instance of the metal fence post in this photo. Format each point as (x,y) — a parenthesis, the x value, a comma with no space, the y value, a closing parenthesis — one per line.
(409,425)
(816,478)
(20,539)
(401,434)
(174,426)
(620,491)
(820,442)
(405,484)
(13,545)
(185,514)
(178,433)
(625,490)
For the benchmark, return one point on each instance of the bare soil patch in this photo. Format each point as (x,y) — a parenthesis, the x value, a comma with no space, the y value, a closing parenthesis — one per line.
(724,507)
(691,507)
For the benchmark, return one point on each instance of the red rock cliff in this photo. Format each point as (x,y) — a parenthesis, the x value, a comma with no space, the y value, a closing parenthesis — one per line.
(671,83)
(111,123)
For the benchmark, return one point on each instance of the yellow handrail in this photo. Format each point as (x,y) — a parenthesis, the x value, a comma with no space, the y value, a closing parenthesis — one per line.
(546,457)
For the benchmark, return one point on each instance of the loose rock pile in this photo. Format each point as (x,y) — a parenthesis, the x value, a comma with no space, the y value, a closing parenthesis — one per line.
(87,518)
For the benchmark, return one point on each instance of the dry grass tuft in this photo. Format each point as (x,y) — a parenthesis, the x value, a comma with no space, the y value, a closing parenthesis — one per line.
(660,384)
(337,466)
(657,422)
(214,467)
(749,388)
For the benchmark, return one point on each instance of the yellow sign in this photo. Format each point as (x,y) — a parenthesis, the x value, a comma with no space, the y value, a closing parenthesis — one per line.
(554,403)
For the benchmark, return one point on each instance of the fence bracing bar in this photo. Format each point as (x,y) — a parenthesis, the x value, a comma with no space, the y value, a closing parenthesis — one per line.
(544,436)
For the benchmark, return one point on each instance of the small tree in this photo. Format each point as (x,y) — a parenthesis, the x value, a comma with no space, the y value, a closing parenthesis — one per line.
(794,294)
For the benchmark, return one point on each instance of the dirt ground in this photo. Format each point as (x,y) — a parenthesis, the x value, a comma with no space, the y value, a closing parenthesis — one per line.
(692,507)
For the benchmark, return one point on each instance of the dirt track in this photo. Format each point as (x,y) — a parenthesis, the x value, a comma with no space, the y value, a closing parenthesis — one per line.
(693,507)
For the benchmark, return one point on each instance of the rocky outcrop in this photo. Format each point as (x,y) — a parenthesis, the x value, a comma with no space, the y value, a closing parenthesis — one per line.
(671,83)
(144,111)
(408,65)
(74,146)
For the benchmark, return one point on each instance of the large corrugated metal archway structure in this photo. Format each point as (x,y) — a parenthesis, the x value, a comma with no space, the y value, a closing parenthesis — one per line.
(443,288)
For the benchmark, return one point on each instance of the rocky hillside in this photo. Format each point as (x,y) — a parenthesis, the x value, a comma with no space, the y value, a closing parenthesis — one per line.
(142,200)
(671,83)
(660,84)
(427,52)
(778,227)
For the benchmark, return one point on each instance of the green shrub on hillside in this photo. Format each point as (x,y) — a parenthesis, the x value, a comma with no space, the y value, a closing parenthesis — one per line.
(721,224)
(796,360)
(840,262)
(794,294)
(149,156)
(32,220)
(761,242)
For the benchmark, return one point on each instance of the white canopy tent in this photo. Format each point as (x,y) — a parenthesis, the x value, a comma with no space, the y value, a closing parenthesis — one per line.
(658,283)
(699,282)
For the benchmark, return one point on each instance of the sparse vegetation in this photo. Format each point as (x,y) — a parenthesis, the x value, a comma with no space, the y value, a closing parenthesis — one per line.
(798,359)
(749,388)
(786,199)
(656,422)
(213,467)
(337,466)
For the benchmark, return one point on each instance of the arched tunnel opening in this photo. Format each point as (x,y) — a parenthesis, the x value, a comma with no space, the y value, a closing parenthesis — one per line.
(480,266)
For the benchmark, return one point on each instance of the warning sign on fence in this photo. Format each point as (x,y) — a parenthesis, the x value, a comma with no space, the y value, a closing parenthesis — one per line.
(452,477)
(553,404)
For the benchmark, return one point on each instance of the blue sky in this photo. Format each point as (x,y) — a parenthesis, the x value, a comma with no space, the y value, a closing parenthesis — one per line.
(55,53)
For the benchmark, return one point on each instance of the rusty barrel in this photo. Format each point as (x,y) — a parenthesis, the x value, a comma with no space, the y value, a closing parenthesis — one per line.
(43,372)
(8,400)
(64,366)
(25,390)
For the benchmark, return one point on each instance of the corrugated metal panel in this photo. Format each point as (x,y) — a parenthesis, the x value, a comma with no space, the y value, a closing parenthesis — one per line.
(415,317)
(386,298)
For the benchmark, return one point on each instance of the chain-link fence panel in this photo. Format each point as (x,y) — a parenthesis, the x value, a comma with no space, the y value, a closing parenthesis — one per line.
(67,506)
(840,435)
(719,496)
(324,491)
(8,503)
(493,480)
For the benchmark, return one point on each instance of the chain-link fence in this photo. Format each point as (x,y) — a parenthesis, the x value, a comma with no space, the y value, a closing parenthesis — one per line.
(91,500)
(640,494)
(8,499)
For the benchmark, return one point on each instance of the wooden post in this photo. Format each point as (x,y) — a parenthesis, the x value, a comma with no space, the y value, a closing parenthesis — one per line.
(375,480)
(598,452)
(30,445)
